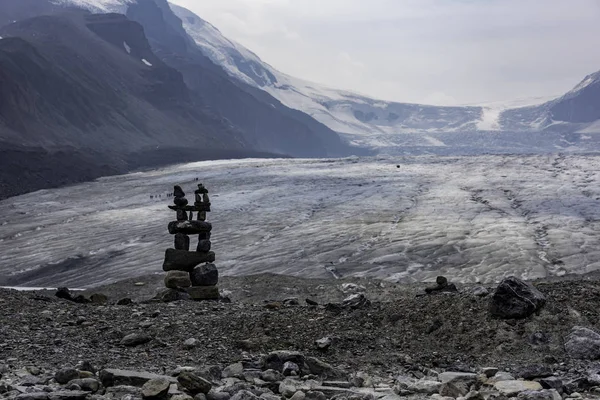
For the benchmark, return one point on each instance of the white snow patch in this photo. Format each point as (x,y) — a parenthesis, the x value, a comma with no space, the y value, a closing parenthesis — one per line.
(594,127)
(146,62)
(127,48)
(433,141)
(490,119)
(116,6)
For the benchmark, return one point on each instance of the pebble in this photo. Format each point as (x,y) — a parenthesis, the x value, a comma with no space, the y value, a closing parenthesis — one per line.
(135,339)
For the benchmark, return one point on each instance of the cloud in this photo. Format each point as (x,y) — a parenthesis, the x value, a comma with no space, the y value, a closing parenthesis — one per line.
(459,51)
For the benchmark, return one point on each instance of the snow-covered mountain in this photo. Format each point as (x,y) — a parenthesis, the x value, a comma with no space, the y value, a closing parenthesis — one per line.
(377,123)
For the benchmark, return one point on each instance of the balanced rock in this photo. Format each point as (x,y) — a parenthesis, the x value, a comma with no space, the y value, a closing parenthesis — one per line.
(180,201)
(204,246)
(181,260)
(583,343)
(189,227)
(182,242)
(203,292)
(514,298)
(177,279)
(205,275)
(178,191)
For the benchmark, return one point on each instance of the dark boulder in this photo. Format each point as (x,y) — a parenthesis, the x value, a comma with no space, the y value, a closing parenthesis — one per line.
(514,298)
(205,275)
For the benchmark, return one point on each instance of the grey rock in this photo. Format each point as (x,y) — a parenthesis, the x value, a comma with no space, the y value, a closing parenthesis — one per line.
(552,382)
(291,301)
(501,376)
(233,371)
(269,396)
(299,395)
(120,377)
(457,389)
(64,376)
(535,371)
(98,298)
(213,395)
(355,301)
(321,368)
(204,245)
(87,384)
(68,395)
(276,359)
(177,279)
(135,339)
(73,386)
(315,395)
(539,395)
(183,396)
(583,343)
(513,388)
(468,377)
(290,369)
(200,293)
(32,396)
(86,366)
(205,275)
(170,295)
(193,383)
(514,298)
(323,343)
(190,343)
(126,301)
(156,389)
(201,396)
(406,385)
(480,291)
(245,395)
(271,375)
(489,371)
(178,191)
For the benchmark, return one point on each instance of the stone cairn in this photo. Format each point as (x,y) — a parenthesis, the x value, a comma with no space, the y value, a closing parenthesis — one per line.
(187,270)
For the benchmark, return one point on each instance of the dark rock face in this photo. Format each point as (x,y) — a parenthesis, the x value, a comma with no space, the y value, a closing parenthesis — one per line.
(205,275)
(181,260)
(515,298)
(193,383)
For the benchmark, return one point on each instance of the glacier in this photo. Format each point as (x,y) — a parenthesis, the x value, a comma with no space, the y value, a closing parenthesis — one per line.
(401,218)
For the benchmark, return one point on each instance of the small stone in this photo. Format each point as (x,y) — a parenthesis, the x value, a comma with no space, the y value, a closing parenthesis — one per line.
(193,383)
(299,395)
(205,275)
(539,395)
(552,382)
(204,246)
(177,279)
(514,298)
(86,384)
(182,241)
(125,302)
(64,376)
(155,389)
(180,201)
(271,375)
(63,293)
(182,216)
(233,371)
(291,301)
(290,369)
(513,388)
(501,376)
(356,301)
(480,291)
(245,395)
(535,371)
(489,371)
(135,339)
(190,343)
(202,396)
(183,396)
(454,390)
(441,281)
(212,395)
(323,343)
(98,298)
(68,395)
(203,292)
(178,191)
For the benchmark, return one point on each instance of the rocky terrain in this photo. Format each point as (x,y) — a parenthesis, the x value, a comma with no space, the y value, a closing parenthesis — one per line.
(274,337)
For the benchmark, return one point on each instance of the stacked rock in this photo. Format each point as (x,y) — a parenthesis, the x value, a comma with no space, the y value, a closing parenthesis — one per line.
(191,270)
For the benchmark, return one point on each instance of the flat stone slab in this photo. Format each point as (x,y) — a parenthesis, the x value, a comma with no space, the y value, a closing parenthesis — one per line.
(195,207)
(181,260)
(122,377)
(189,227)
(512,388)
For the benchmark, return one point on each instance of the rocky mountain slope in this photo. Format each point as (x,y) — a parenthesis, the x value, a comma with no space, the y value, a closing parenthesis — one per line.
(110,92)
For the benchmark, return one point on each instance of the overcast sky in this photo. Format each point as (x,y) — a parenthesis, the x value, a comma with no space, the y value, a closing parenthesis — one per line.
(431,51)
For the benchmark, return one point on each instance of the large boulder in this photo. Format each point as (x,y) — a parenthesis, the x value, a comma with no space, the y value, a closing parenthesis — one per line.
(515,298)
(205,275)
(583,343)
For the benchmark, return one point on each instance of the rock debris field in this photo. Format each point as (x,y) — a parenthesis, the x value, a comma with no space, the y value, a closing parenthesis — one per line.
(402,219)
